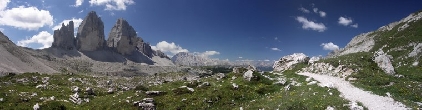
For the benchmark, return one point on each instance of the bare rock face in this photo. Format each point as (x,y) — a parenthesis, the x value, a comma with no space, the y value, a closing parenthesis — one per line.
(123,38)
(383,61)
(64,37)
(161,54)
(288,62)
(145,48)
(90,36)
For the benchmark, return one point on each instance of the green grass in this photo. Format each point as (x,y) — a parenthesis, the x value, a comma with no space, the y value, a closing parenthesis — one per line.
(260,92)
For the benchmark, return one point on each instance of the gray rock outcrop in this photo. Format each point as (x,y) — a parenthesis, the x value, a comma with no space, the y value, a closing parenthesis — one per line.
(145,48)
(64,37)
(123,37)
(248,75)
(383,61)
(360,43)
(287,62)
(90,36)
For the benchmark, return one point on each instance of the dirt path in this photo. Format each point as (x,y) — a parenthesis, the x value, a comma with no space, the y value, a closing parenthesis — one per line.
(352,93)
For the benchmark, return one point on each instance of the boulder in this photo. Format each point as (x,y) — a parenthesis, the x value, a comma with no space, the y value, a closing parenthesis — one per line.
(90,36)
(235,86)
(110,90)
(123,38)
(36,107)
(64,37)
(146,104)
(383,62)
(89,91)
(288,62)
(248,75)
(75,89)
(220,76)
(75,99)
(155,93)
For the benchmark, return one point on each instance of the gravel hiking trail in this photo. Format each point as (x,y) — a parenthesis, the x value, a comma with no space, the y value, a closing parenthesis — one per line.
(352,93)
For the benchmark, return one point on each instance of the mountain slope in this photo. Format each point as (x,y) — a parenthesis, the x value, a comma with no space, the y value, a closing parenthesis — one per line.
(16,59)
(386,61)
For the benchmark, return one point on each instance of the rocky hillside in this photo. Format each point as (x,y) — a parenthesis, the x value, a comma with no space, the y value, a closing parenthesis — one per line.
(17,59)
(385,61)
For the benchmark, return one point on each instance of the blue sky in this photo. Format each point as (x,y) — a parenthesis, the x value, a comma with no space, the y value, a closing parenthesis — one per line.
(224,29)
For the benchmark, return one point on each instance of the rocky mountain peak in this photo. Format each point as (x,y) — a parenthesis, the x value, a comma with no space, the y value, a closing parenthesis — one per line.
(90,36)
(4,38)
(123,37)
(64,37)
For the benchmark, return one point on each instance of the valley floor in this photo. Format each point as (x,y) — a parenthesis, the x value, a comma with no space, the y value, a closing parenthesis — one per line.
(352,93)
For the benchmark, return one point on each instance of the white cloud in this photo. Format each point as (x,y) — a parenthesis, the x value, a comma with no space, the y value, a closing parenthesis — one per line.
(306,24)
(27,18)
(81,11)
(112,4)
(275,49)
(322,14)
(266,60)
(164,46)
(44,38)
(76,23)
(78,3)
(2,29)
(207,53)
(304,10)
(329,46)
(3,4)
(355,25)
(316,10)
(240,57)
(345,21)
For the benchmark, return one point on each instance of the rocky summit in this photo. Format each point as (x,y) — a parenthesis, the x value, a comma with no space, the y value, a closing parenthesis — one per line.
(90,36)
(123,38)
(64,37)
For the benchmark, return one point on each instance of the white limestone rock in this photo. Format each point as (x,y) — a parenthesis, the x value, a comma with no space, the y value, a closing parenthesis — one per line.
(36,107)
(314,59)
(288,61)
(383,61)
(416,50)
(248,75)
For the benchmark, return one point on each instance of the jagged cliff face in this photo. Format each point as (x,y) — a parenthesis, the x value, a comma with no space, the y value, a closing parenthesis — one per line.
(123,37)
(90,36)
(64,37)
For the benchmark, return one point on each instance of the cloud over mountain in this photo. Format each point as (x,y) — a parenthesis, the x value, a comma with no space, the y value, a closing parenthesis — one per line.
(329,46)
(165,46)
